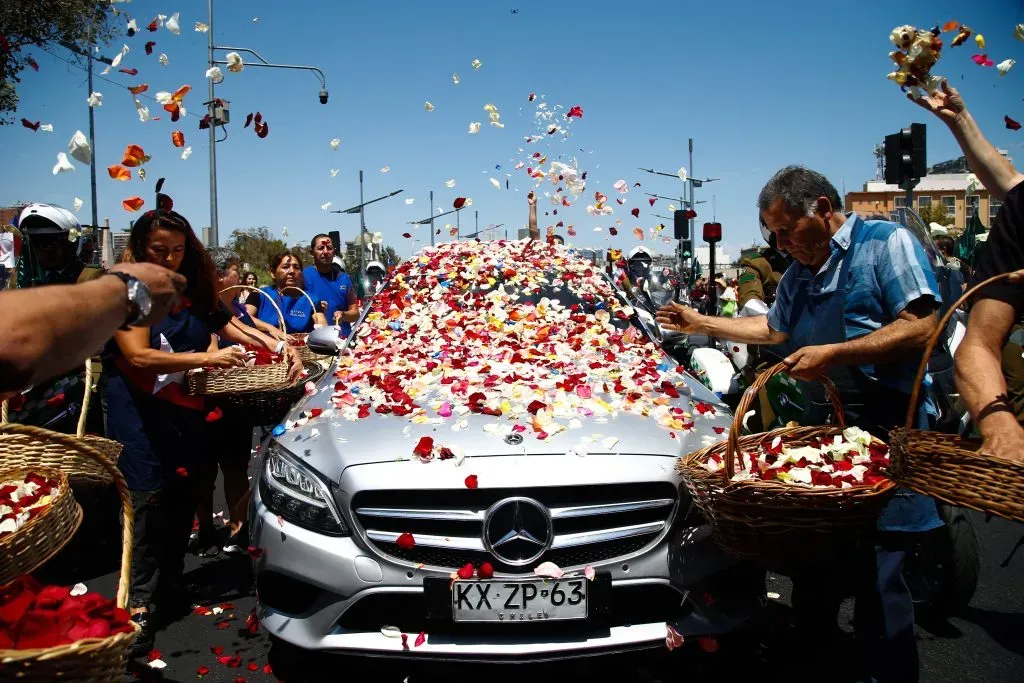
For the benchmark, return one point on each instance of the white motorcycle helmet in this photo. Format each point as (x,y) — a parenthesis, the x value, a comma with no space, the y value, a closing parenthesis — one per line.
(46,219)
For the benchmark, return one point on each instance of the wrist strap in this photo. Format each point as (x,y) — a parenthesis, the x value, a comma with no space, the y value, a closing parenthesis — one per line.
(1000,404)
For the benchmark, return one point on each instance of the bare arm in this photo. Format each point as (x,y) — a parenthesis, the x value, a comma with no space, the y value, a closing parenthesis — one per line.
(901,339)
(979,377)
(134,345)
(264,326)
(350,314)
(752,330)
(50,330)
(994,171)
(240,333)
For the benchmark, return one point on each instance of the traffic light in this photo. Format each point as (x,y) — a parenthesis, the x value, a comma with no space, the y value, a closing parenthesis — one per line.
(681,220)
(686,247)
(905,157)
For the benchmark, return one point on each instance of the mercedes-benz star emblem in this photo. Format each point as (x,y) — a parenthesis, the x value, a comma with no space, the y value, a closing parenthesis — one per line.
(517,531)
(514,439)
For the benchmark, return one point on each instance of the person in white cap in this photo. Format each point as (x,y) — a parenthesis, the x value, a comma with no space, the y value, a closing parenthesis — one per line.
(10,248)
(52,247)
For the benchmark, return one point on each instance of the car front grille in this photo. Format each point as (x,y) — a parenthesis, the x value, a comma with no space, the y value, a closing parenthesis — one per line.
(589,524)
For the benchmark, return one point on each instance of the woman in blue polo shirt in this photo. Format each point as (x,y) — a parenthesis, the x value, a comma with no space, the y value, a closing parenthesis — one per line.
(299,317)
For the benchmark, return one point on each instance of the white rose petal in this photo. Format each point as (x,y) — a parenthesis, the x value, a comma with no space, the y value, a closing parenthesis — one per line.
(215,74)
(79,589)
(79,147)
(474,127)
(235,63)
(63,165)
(95,99)
(335,144)
(172,24)
(186,153)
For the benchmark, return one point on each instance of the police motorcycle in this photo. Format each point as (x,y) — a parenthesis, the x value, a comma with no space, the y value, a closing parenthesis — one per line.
(704,358)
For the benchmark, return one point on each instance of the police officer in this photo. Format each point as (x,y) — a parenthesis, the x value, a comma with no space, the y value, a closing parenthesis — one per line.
(761,275)
(51,255)
(53,247)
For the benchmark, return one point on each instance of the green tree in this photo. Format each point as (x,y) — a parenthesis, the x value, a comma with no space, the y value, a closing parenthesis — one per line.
(254,247)
(936,213)
(73,25)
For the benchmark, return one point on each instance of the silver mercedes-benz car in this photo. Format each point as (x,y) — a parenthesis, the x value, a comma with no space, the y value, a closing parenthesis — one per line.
(487,471)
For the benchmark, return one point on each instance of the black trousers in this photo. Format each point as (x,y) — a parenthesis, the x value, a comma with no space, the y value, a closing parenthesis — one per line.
(883,610)
(163,522)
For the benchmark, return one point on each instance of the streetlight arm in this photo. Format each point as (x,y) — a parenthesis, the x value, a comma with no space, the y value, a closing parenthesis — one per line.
(265,63)
(355,209)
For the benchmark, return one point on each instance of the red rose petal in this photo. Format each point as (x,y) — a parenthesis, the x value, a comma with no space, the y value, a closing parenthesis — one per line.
(466,571)
(214,414)
(1010,123)
(181,472)
(471,481)
(267,669)
(255,553)
(203,670)
(405,541)
(153,655)
(253,666)
(405,642)
(485,571)
(420,639)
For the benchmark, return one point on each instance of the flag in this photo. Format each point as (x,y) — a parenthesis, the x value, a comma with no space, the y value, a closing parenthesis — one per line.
(967,244)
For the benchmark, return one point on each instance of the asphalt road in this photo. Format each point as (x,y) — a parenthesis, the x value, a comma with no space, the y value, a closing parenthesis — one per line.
(985,643)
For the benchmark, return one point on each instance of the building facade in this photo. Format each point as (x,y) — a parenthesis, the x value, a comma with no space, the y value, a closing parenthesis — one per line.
(952,190)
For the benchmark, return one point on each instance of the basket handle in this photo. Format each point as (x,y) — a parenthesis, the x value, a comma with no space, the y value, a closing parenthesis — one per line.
(127,511)
(303,293)
(80,430)
(934,340)
(732,450)
(280,315)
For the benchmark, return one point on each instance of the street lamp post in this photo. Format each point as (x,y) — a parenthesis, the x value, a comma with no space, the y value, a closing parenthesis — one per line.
(689,203)
(212,104)
(361,210)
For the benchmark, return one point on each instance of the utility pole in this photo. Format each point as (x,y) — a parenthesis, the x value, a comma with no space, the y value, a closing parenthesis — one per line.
(693,237)
(431,218)
(92,145)
(362,228)
(214,232)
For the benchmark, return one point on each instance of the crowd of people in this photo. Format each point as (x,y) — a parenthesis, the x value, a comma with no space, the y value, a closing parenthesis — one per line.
(170,306)
(857,303)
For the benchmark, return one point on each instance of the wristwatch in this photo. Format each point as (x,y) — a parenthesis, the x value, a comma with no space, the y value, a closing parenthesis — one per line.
(139,302)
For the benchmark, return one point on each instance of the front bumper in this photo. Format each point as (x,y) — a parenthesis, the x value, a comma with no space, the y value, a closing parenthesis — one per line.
(328,593)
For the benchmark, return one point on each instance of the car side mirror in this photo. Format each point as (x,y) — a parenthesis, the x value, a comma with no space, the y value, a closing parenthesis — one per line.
(325,341)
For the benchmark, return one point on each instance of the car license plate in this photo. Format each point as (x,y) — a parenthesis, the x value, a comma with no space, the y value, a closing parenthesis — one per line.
(500,600)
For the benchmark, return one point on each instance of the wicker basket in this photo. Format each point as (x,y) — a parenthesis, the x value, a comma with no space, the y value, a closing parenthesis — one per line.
(206,382)
(949,467)
(774,523)
(20,450)
(90,659)
(268,407)
(41,537)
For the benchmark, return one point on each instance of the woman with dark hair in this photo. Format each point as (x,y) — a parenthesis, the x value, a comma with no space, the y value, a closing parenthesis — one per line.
(249,279)
(299,316)
(159,425)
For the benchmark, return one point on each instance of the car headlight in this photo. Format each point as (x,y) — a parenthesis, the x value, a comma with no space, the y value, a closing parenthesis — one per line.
(291,490)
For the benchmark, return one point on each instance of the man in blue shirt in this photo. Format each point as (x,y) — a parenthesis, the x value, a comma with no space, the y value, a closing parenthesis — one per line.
(858,304)
(331,290)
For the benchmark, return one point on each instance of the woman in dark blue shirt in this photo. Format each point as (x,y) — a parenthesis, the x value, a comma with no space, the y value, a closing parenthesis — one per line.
(299,316)
(148,411)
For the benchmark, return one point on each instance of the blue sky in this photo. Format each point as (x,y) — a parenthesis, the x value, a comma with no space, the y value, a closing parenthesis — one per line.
(757,87)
